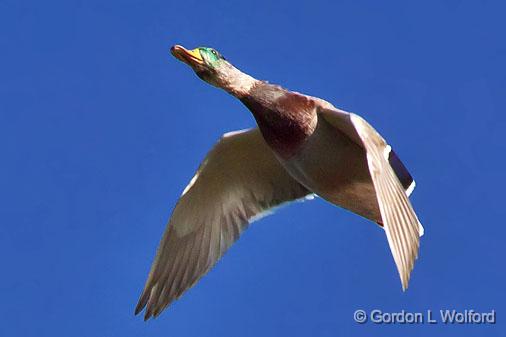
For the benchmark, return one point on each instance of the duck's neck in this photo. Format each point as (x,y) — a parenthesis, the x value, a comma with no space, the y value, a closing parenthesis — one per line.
(237,83)
(285,118)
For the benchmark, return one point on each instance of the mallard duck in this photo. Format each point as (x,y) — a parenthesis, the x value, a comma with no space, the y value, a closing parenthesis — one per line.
(303,146)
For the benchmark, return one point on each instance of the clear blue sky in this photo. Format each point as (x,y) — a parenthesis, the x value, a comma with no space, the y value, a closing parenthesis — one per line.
(101,129)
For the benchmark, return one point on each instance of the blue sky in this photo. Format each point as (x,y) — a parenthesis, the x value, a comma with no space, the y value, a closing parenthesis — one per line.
(101,129)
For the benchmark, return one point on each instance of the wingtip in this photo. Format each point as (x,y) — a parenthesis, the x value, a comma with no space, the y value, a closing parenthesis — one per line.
(405,283)
(138,308)
(148,314)
(143,300)
(157,312)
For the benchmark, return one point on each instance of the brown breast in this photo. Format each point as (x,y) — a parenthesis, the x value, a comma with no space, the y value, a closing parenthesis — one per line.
(285,118)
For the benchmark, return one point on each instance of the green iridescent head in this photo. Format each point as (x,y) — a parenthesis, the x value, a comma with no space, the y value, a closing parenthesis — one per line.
(207,63)
(213,68)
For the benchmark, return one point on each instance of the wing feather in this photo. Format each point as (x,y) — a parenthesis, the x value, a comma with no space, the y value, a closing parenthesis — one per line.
(399,219)
(238,181)
(392,183)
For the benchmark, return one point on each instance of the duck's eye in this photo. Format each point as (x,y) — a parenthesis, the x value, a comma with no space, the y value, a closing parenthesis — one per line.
(218,55)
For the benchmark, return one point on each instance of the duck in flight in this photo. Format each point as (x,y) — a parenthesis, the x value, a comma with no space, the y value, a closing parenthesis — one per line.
(302,146)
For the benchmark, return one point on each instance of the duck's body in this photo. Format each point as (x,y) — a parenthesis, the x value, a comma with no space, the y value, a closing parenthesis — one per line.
(303,146)
(338,174)
(319,156)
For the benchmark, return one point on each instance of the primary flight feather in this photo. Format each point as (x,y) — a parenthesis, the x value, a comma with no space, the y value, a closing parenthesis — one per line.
(302,146)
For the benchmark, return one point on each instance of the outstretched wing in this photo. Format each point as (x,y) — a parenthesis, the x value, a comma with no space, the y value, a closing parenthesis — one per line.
(392,183)
(238,180)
